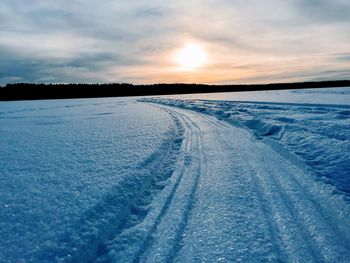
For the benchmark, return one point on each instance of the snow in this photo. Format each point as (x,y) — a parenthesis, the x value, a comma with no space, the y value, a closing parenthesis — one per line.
(174,180)
(318,134)
(303,96)
(64,170)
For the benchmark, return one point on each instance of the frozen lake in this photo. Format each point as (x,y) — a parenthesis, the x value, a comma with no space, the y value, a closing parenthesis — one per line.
(199,178)
(307,96)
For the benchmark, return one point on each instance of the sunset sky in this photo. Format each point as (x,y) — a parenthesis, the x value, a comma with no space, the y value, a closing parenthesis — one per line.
(147,41)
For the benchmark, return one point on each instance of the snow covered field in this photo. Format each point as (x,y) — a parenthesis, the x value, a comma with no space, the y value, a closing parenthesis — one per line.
(159,180)
(304,96)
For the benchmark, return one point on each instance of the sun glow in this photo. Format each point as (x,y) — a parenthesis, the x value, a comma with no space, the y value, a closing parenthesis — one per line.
(191,57)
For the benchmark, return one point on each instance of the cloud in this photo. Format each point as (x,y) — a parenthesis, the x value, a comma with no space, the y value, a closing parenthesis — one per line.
(325,11)
(343,57)
(133,41)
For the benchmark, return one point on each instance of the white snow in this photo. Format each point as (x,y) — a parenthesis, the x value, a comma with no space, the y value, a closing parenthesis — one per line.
(70,169)
(318,134)
(119,180)
(314,96)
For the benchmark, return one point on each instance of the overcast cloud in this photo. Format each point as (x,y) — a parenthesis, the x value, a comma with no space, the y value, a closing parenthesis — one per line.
(133,41)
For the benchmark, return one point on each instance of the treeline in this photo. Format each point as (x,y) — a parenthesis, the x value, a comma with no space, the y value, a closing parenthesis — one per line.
(28,91)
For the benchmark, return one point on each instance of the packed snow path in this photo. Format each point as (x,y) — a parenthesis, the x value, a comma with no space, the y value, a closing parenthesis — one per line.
(231,198)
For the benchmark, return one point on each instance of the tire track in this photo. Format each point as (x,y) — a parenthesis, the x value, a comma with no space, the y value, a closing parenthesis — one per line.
(284,215)
(125,205)
(314,228)
(191,201)
(260,193)
(165,238)
(293,206)
(303,226)
(148,241)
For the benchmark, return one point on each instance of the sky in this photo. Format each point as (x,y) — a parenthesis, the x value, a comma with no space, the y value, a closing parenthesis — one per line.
(138,41)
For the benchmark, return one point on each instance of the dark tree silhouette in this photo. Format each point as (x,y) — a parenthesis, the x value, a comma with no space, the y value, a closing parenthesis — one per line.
(28,91)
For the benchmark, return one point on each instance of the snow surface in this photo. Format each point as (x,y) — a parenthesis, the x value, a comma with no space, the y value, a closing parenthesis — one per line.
(70,169)
(304,96)
(318,134)
(118,180)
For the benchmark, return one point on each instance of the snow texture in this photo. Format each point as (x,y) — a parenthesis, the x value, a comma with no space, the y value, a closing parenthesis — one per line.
(302,96)
(72,170)
(319,135)
(116,180)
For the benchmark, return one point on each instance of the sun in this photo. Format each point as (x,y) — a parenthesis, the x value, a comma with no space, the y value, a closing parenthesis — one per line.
(191,57)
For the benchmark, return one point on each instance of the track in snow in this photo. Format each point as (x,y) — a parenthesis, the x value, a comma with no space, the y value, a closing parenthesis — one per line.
(232,198)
